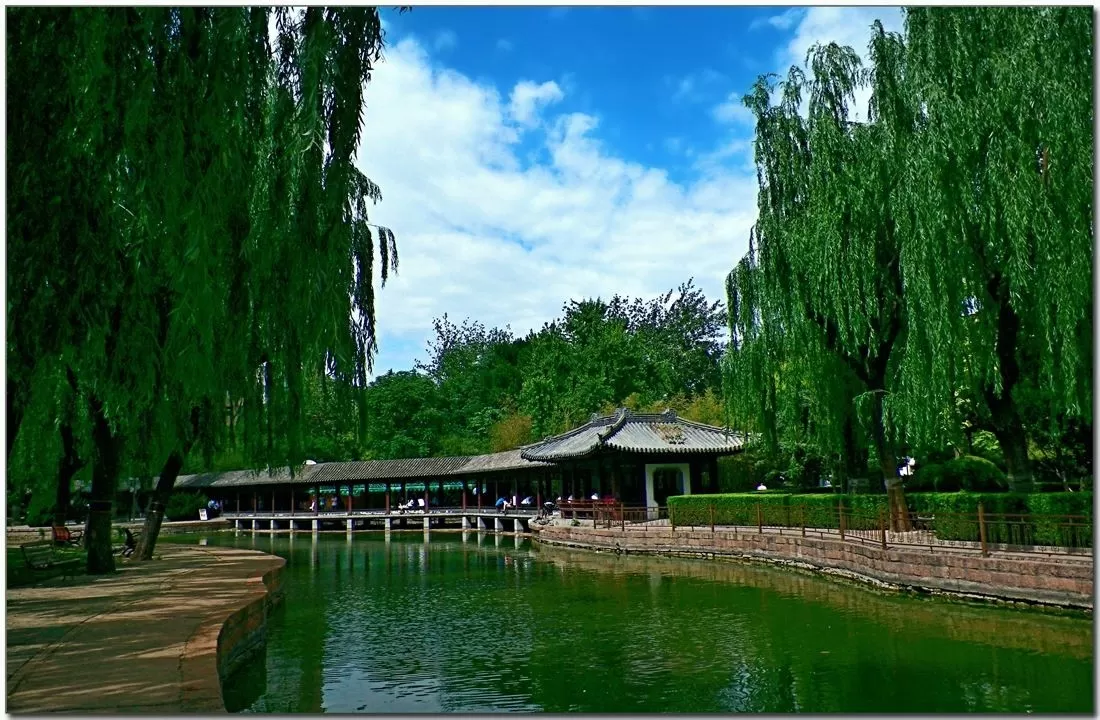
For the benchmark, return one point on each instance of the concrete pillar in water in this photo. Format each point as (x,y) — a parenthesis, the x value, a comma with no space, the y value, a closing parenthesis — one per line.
(316,525)
(465,523)
(427,522)
(351,524)
(518,525)
(253,524)
(389,524)
(498,524)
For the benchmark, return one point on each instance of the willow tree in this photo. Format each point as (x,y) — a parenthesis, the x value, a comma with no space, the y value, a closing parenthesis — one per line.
(792,396)
(829,250)
(191,228)
(999,243)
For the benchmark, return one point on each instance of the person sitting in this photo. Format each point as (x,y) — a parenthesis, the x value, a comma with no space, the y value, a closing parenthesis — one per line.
(420,504)
(761,487)
(527,501)
(595,495)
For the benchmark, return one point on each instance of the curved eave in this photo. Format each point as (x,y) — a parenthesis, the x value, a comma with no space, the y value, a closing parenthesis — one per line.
(676,450)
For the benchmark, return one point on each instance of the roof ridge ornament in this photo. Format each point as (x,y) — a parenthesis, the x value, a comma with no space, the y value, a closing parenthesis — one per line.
(670,415)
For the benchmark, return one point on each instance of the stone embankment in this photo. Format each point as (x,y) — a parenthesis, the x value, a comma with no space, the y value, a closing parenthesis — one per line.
(1058,580)
(154,638)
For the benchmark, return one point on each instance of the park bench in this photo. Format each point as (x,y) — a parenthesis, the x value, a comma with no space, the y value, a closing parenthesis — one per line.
(64,536)
(39,556)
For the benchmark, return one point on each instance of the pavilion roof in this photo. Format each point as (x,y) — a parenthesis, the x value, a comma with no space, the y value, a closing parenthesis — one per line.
(363,471)
(627,431)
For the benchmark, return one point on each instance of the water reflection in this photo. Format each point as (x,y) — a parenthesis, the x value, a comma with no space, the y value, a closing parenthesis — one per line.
(397,623)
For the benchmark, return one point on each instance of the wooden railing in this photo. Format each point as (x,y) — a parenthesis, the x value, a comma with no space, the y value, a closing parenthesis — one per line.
(976,531)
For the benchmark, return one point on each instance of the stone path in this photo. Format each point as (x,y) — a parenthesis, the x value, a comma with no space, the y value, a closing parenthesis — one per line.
(143,640)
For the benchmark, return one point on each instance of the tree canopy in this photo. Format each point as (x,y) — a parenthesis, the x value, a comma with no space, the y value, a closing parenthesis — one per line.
(926,272)
(180,178)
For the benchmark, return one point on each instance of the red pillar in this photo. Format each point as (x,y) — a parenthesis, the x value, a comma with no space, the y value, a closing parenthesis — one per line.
(350,489)
(387,496)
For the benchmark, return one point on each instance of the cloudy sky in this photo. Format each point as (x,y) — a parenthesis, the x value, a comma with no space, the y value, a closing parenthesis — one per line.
(532,155)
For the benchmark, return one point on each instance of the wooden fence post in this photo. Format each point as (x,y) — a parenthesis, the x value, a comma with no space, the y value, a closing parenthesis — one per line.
(802,517)
(882,526)
(840,514)
(711,509)
(759,519)
(622,517)
(671,517)
(981,529)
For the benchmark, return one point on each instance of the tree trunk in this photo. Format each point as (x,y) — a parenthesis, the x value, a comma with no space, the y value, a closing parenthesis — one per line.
(105,469)
(163,491)
(1013,441)
(1007,425)
(15,416)
(155,514)
(895,491)
(68,466)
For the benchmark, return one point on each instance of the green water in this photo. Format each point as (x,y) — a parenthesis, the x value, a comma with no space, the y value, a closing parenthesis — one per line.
(495,624)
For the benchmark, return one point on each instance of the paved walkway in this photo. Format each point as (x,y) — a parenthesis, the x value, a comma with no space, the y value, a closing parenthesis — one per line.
(142,640)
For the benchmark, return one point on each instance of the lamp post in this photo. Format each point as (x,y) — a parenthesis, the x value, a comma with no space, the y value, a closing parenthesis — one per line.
(135,485)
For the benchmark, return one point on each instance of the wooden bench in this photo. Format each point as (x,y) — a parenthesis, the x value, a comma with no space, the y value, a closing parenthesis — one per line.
(64,536)
(40,556)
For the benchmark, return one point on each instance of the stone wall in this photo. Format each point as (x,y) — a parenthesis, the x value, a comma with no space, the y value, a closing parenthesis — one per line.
(1051,580)
(245,631)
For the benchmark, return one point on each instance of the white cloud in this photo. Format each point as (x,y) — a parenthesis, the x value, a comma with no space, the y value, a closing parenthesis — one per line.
(445,40)
(733,112)
(505,45)
(783,21)
(528,98)
(486,232)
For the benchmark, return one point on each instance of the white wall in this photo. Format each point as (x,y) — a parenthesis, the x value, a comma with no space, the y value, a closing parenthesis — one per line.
(685,479)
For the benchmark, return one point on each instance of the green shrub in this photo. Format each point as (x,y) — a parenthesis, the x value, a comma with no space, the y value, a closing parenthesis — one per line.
(1011,518)
(969,472)
(776,509)
(184,506)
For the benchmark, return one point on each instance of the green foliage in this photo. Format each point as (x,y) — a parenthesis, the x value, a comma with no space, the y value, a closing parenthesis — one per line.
(404,416)
(1028,518)
(184,506)
(970,473)
(776,508)
(965,200)
(214,247)
(40,512)
(1010,517)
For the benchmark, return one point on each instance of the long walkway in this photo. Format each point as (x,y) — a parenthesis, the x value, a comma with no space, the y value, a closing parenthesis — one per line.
(142,640)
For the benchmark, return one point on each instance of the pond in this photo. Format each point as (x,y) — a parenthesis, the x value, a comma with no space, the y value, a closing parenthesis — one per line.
(474,623)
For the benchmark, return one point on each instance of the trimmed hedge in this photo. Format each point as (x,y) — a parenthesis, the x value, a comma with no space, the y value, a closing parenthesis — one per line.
(954,513)
(969,472)
(184,506)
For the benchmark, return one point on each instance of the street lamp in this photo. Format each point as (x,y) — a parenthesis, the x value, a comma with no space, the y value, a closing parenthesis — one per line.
(135,485)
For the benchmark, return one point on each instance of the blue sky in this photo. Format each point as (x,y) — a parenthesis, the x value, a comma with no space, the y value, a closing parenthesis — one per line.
(532,155)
